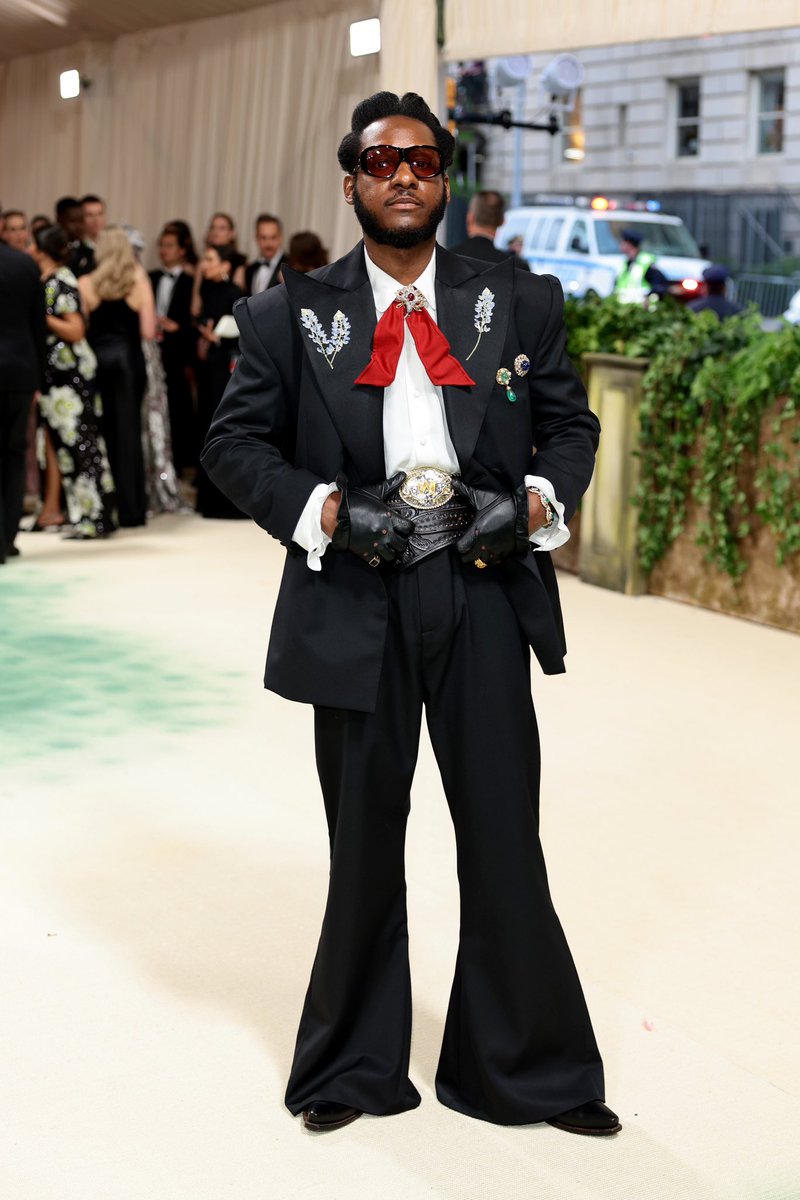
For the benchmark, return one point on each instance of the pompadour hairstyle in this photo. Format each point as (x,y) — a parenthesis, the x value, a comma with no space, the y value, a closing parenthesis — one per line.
(388,104)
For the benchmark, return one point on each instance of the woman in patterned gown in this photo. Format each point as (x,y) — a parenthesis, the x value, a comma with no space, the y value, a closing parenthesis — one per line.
(69,405)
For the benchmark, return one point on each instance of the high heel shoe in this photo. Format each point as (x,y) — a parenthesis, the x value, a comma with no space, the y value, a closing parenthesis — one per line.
(40,526)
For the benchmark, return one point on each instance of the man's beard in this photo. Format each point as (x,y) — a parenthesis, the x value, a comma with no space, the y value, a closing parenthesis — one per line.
(400,239)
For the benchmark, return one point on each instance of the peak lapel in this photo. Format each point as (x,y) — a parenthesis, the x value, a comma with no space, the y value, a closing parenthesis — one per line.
(460,285)
(319,301)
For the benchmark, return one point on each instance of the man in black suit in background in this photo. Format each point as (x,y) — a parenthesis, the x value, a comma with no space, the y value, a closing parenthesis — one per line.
(381,423)
(22,354)
(69,215)
(264,272)
(485,215)
(172,288)
(95,220)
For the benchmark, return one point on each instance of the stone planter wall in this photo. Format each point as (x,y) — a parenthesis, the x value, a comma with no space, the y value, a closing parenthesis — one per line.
(767,593)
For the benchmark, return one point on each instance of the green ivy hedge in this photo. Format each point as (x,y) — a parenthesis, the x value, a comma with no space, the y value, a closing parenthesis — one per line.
(706,391)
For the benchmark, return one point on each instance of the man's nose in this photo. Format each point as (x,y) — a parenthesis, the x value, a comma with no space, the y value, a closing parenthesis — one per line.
(404,177)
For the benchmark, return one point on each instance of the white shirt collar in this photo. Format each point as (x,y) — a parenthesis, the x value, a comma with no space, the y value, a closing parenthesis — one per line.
(385,288)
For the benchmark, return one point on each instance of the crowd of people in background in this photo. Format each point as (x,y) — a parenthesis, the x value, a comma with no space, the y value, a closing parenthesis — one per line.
(111,374)
(128,366)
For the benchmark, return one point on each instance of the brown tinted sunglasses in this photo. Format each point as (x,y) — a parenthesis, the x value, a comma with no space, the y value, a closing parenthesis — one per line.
(382,161)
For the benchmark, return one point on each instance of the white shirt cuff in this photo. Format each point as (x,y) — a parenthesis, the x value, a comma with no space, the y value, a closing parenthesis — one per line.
(308,531)
(557,533)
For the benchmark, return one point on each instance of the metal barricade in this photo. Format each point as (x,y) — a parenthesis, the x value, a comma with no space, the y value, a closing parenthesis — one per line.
(770,293)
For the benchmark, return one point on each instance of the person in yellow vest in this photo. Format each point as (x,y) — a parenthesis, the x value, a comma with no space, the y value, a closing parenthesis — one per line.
(639,279)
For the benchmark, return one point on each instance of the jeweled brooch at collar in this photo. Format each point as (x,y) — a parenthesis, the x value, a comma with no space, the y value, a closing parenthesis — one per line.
(411,299)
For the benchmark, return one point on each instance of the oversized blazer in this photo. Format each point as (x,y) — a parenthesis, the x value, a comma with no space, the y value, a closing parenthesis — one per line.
(292,417)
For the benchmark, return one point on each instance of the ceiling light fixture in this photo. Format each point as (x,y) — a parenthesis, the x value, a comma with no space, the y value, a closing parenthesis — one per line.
(365,37)
(70,84)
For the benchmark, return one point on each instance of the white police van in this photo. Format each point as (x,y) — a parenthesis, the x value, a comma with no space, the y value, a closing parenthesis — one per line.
(579,244)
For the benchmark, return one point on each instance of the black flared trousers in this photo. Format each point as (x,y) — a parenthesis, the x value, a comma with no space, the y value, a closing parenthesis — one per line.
(518,1044)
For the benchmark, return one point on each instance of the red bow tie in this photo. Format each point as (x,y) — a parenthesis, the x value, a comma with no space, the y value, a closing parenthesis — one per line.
(432,346)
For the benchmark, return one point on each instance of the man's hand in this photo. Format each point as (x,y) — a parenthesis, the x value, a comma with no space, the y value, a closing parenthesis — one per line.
(499,528)
(366,526)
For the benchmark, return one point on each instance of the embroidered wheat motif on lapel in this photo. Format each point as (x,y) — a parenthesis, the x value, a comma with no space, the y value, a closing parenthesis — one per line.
(484,307)
(328,345)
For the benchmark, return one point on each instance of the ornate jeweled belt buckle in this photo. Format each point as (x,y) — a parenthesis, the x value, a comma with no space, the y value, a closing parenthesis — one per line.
(427,487)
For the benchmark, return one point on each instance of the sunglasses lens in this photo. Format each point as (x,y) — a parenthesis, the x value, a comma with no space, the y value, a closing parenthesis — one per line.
(380,161)
(424,161)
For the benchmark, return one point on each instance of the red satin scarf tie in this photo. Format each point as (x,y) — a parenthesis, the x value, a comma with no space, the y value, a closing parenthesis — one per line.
(432,346)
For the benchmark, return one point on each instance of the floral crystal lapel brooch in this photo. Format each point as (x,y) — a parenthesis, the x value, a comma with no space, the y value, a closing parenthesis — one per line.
(484,307)
(328,345)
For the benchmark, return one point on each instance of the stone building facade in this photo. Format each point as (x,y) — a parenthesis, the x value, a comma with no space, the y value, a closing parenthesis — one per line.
(709,126)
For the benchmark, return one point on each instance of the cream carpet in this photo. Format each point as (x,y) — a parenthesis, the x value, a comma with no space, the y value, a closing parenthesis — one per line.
(163,871)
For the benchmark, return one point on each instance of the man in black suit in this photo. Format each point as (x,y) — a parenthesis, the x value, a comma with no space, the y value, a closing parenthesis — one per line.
(172,288)
(485,215)
(393,458)
(69,215)
(265,271)
(22,352)
(95,219)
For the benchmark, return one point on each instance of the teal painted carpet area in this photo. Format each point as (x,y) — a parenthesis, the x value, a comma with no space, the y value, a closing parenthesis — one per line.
(64,686)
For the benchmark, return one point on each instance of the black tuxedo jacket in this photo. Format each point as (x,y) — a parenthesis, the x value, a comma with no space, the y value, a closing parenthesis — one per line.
(179,343)
(292,418)
(23,329)
(251,269)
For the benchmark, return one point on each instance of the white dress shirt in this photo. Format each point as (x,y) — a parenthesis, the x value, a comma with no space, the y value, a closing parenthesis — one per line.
(166,286)
(415,432)
(262,276)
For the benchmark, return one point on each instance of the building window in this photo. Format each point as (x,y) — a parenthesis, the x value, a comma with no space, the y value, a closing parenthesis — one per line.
(573,138)
(770,93)
(687,118)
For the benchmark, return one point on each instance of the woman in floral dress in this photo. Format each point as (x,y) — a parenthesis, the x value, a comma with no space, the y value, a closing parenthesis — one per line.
(69,405)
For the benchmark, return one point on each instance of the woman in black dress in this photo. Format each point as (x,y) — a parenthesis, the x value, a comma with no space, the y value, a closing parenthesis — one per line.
(119,299)
(68,403)
(216,355)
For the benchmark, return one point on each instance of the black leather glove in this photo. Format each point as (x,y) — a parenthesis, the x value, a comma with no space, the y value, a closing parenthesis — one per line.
(499,528)
(367,526)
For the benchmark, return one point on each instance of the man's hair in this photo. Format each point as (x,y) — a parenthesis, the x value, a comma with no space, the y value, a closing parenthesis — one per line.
(14,212)
(263,218)
(181,231)
(90,199)
(65,204)
(388,104)
(487,208)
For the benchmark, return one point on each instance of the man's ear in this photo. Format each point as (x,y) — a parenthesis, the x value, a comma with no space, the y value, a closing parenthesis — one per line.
(349,187)
(446,179)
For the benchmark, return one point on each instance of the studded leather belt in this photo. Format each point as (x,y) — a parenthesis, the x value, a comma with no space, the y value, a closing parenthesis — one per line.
(439,514)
